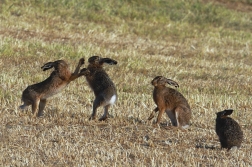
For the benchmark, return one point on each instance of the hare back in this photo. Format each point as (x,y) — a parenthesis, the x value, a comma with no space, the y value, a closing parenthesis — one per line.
(53,91)
(100,82)
(167,92)
(46,88)
(228,128)
(170,98)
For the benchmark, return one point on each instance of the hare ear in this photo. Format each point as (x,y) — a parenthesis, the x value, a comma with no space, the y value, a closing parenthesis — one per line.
(157,81)
(228,112)
(108,61)
(171,82)
(47,66)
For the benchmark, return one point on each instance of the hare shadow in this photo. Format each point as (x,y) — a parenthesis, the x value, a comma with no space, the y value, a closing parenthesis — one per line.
(205,146)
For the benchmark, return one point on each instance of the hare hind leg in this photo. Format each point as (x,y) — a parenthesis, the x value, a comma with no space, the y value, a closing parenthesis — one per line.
(223,144)
(97,103)
(27,102)
(93,115)
(35,106)
(173,117)
(182,118)
(105,115)
(42,105)
(24,106)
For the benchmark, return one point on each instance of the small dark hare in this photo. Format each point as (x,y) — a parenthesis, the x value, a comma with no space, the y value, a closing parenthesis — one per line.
(228,130)
(103,87)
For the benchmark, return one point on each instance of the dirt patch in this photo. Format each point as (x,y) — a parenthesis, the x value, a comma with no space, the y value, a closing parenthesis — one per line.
(242,6)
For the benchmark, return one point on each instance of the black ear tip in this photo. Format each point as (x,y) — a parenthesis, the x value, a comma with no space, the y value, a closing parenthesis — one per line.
(108,61)
(229,110)
(44,68)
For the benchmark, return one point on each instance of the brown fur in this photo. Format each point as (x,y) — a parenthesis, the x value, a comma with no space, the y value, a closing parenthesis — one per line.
(37,94)
(99,81)
(170,101)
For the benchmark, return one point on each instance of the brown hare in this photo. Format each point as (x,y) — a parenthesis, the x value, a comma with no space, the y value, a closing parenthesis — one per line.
(228,130)
(170,101)
(37,94)
(103,87)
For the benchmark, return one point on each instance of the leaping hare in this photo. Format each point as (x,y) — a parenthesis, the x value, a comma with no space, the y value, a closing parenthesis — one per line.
(228,130)
(103,87)
(170,101)
(37,94)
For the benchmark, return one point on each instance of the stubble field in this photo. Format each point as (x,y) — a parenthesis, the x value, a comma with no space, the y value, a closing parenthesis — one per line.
(202,45)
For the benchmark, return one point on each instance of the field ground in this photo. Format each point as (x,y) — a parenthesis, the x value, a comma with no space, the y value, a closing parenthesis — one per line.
(205,46)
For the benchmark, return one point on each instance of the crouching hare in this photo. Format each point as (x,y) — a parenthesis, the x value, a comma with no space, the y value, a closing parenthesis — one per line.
(170,101)
(103,87)
(37,94)
(228,130)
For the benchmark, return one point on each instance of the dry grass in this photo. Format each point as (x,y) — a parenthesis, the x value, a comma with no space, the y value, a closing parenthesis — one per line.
(212,65)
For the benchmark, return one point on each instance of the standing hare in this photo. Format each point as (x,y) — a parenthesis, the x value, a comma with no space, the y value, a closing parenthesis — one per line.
(37,94)
(228,130)
(170,101)
(99,81)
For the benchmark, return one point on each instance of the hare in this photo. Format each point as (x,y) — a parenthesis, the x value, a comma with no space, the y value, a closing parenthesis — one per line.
(170,101)
(102,86)
(37,94)
(228,130)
